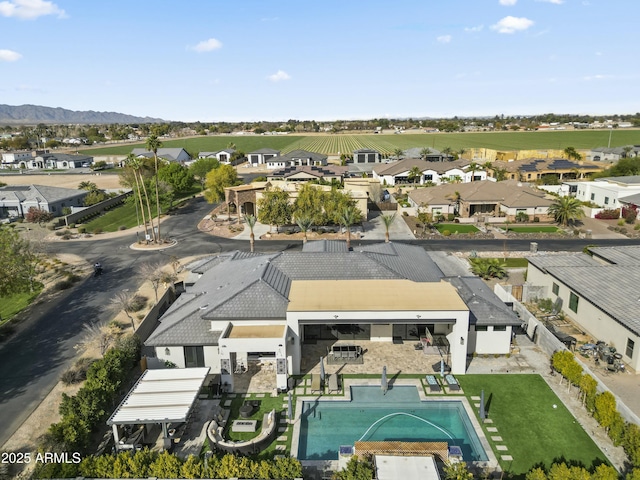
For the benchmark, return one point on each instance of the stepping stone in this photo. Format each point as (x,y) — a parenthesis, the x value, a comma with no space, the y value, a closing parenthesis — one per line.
(492,429)
(299,390)
(260,395)
(477,405)
(506,457)
(282,429)
(281,448)
(282,420)
(227,403)
(281,438)
(232,395)
(496,438)
(476,398)
(488,420)
(501,448)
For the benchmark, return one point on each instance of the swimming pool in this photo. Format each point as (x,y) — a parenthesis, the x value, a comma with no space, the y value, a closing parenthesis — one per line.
(397,416)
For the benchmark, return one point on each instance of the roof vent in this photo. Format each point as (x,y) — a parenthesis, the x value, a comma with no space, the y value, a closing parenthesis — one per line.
(204,307)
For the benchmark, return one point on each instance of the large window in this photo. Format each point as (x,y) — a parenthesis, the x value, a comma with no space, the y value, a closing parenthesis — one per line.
(555,288)
(630,346)
(193,357)
(573,302)
(499,328)
(481,328)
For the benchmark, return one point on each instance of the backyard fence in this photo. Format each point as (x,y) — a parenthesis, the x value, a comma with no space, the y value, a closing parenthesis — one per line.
(94,210)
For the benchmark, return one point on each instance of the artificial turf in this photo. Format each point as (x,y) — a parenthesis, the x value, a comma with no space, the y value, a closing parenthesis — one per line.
(534,424)
(534,229)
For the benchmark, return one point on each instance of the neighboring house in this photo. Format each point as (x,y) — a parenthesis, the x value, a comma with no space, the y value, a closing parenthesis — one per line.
(240,307)
(261,156)
(307,173)
(42,159)
(606,192)
(531,170)
(18,159)
(483,199)
(223,156)
(167,154)
(613,154)
(16,200)
(297,158)
(434,172)
(599,293)
(433,155)
(363,161)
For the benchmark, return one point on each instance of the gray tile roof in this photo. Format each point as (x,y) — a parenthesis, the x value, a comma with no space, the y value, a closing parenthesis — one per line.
(331,266)
(265,150)
(544,262)
(325,246)
(42,193)
(485,308)
(627,180)
(626,256)
(610,288)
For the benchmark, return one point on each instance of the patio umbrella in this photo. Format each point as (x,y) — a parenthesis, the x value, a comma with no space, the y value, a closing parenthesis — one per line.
(290,407)
(442,367)
(384,384)
(322,369)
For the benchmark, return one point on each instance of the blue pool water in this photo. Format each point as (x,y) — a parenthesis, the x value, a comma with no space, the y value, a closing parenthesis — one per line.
(397,416)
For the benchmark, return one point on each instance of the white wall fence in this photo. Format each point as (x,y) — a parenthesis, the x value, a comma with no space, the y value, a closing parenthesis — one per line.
(550,344)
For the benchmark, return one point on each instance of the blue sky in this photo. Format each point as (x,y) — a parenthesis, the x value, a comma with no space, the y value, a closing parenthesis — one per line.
(237,60)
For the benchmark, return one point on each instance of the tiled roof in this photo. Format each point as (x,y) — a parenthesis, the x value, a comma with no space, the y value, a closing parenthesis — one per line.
(325,246)
(629,255)
(543,262)
(42,193)
(329,170)
(265,150)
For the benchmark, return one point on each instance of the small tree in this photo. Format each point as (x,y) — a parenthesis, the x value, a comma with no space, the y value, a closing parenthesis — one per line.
(387,220)
(38,215)
(356,469)
(566,210)
(274,208)
(123,300)
(457,471)
(349,216)
(414,174)
(425,217)
(250,220)
(304,222)
(219,179)
(152,273)
(201,167)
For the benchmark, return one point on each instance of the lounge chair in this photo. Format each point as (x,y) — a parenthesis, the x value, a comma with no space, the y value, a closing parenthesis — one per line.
(434,385)
(316,383)
(452,383)
(334,384)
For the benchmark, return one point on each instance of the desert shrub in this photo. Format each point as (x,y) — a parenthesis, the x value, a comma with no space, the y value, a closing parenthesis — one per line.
(446,233)
(38,215)
(621,222)
(66,236)
(630,213)
(522,217)
(138,302)
(97,230)
(405,214)
(72,225)
(63,285)
(59,233)
(82,230)
(636,226)
(536,219)
(608,214)
(77,373)
(122,227)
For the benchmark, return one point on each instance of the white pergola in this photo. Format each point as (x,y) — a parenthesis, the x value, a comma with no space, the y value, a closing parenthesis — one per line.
(160,396)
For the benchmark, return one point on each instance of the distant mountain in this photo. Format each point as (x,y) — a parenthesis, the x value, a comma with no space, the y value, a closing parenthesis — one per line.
(34,114)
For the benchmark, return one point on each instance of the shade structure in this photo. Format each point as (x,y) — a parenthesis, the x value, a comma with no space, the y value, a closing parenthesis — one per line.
(322,374)
(290,407)
(383,381)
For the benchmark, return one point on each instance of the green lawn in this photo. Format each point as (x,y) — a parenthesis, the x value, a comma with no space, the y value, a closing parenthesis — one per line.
(9,306)
(534,229)
(514,262)
(456,227)
(522,409)
(332,144)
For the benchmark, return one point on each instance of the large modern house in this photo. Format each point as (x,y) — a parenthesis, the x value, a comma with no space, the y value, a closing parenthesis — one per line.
(42,159)
(591,293)
(297,158)
(166,154)
(16,200)
(240,307)
(430,172)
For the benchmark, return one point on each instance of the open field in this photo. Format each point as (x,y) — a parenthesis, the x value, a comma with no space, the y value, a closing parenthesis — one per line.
(104,181)
(532,421)
(333,144)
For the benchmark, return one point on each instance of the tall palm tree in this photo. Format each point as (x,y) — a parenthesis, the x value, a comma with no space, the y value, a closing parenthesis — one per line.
(153,144)
(387,220)
(398,153)
(304,222)
(461,152)
(447,152)
(250,220)
(566,210)
(414,174)
(424,153)
(348,217)
(572,153)
(474,167)
(133,163)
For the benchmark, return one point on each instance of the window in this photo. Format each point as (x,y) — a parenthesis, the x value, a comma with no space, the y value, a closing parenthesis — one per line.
(630,346)
(555,288)
(573,302)
(193,357)
(606,200)
(428,177)
(499,328)
(593,196)
(481,328)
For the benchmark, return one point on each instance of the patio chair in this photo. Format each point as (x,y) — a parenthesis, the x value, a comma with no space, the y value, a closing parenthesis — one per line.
(434,385)
(334,384)
(316,383)
(452,383)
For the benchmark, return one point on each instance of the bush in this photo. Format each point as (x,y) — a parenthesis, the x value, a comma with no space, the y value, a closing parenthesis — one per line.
(608,214)
(122,227)
(59,233)
(63,285)
(405,214)
(636,226)
(536,219)
(66,236)
(621,222)
(451,217)
(77,373)
(446,233)
(137,303)
(82,229)
(97,231)
(72,225)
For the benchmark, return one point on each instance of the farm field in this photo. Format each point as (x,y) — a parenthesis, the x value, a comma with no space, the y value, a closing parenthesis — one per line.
(335,144)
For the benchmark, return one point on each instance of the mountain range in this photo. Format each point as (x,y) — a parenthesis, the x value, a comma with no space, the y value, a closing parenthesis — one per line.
(34,114)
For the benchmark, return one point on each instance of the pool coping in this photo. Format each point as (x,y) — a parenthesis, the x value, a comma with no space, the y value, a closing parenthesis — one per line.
(334,465)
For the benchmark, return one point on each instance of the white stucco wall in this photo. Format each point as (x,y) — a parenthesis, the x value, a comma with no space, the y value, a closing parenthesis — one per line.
(175,355)
(492,342)
(382,332)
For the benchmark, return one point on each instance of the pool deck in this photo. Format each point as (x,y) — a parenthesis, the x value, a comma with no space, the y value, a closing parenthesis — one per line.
(491,463)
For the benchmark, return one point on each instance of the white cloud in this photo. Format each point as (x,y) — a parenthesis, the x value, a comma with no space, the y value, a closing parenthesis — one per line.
(207,45)
(475,29)
(279,76)
(508,3)
(9,56)
(597,77)
(444,39)
(555,2)
(511,24)
(30,9)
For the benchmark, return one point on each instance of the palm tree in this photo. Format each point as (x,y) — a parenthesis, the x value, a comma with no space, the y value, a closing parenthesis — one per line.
(473,166)
(153,144)
(304,222)
(456,197)
(251,222)
(414,174)
(626,150)
(398,153)
(447,152)
(424,153)
(487,268)
(461,152)
(387,220)
(572,153)
(348,217)
(566,210)
(132,162)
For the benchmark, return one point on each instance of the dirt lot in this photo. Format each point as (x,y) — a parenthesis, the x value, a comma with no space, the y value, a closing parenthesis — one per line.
(104,181)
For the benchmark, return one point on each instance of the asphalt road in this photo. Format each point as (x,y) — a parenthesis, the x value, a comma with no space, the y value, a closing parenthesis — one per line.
(32,361)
